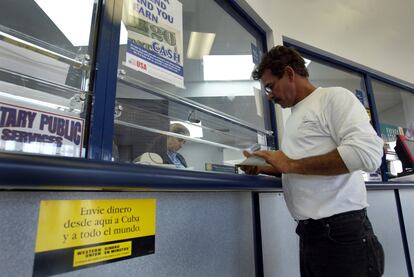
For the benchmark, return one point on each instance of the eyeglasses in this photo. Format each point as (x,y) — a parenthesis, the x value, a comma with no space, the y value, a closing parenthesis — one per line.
(269,87)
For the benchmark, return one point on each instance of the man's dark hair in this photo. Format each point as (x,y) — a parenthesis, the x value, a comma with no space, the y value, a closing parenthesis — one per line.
(277,59)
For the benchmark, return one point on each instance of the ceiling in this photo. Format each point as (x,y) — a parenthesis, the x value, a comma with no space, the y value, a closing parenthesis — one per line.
(375,33)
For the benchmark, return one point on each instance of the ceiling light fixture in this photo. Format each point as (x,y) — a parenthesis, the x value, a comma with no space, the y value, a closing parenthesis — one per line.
(200,45)
(34,101)
(227,67)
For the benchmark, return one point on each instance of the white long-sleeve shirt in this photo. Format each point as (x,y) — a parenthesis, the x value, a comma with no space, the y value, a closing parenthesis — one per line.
(329,118)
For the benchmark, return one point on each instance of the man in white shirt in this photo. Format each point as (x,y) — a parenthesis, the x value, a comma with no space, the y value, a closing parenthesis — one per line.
(328,140)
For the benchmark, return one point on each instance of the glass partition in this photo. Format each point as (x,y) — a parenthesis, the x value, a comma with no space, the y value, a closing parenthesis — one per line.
(45,53)
(323,74)
(178,65)
(396,116)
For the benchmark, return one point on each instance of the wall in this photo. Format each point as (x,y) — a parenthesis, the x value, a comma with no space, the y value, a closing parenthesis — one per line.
(197,234)
(373,33)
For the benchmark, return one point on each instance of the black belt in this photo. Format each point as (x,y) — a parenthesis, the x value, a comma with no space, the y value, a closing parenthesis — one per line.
(336,217)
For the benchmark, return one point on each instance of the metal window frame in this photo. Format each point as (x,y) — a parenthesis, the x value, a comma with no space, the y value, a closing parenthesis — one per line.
(104,81)
(104,78)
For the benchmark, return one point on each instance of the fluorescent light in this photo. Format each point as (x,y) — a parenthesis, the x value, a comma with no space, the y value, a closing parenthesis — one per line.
(73,18)
(200,45)
(196,131)
(33,101)
(227,67)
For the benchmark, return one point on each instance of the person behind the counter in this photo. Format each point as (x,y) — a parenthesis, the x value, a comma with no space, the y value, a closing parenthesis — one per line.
(174,144)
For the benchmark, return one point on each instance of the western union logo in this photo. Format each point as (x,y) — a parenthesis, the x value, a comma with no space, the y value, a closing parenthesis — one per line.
(101,253)
(75,258)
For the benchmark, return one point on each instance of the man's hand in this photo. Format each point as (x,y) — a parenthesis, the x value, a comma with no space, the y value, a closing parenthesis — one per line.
(328,164)
(255,170)
(277,159)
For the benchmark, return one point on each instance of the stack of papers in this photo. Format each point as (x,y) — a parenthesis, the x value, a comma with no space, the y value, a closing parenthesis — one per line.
(253,161)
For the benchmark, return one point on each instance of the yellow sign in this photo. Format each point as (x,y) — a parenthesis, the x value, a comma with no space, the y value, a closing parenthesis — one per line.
(73,234)
(71,223)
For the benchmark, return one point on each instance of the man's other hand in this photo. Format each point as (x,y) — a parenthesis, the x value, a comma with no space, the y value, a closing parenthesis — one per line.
(255,170)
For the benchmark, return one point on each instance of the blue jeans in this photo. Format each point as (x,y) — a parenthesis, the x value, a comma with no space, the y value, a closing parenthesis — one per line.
(343,245)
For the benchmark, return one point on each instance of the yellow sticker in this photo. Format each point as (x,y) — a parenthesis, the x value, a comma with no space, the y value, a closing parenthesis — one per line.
(71,223)
(101,253)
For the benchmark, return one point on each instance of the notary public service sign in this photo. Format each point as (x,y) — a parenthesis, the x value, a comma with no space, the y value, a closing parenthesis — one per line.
(74,234)
(24,129)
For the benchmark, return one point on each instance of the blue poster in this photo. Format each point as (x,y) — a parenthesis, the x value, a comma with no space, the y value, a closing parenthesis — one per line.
(256,54)
(155,40)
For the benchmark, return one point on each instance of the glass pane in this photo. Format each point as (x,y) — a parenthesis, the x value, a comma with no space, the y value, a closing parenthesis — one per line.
(222,114)
(44,75)
(219,76)
(146,124)
(324,75)
(396,116)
